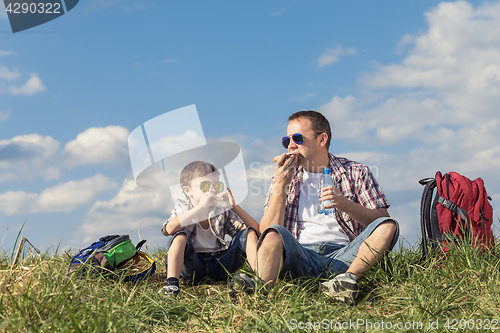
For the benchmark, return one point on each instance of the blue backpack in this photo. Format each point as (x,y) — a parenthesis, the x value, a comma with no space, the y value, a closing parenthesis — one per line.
(112,252)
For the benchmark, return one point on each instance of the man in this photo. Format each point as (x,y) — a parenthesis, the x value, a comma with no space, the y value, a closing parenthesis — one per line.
(296,238)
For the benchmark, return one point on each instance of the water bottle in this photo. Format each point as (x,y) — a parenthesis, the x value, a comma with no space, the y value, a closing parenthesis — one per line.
(325,180)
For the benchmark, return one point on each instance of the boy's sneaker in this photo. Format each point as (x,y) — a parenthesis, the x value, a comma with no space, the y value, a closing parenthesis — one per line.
(343,287)
(169,291)
(241,282)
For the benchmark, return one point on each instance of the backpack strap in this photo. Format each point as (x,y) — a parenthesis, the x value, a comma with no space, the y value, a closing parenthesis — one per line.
(425,212)
(145,273)
(453,207)
(140,244)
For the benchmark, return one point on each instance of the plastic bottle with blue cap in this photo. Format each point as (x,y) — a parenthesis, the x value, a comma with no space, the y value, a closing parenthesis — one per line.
(325,180)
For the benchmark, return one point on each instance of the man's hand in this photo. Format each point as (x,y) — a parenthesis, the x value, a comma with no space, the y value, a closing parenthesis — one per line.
(356,211)
(285,169)
(339,201)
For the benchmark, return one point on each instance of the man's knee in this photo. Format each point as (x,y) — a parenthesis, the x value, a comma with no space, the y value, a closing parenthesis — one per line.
(388,227)
(270,239)
(272,236)
(385,231)
(252,235)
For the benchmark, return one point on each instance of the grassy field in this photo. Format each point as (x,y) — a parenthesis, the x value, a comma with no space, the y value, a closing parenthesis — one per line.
(460,293)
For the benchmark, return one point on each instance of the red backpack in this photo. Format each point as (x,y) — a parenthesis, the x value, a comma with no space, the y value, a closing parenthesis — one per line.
(460,211)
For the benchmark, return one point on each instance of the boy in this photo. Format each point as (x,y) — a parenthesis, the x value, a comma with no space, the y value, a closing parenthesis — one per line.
(204,238)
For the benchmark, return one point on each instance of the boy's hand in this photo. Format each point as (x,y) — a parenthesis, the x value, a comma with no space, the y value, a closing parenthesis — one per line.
(230,198)
(207,200)
(227,199)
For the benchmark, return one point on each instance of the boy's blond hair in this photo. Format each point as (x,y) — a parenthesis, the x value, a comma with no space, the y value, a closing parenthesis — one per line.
(194,170)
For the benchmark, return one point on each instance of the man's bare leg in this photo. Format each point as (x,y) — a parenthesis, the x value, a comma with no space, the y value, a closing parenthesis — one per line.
(373,248)
(270,257)
(251,249)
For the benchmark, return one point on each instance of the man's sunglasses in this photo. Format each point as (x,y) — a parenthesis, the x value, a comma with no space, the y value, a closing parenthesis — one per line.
(206,185)
(297,138)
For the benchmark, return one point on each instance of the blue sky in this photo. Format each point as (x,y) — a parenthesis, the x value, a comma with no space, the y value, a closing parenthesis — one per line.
(409,88)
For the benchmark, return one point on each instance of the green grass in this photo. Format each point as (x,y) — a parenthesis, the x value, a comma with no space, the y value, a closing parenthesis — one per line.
(37,296)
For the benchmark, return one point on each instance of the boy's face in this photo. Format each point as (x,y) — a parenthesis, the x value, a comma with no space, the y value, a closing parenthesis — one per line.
(194,191)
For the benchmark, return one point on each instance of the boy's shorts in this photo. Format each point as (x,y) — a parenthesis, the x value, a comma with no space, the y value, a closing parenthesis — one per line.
(322,259)
(200,265)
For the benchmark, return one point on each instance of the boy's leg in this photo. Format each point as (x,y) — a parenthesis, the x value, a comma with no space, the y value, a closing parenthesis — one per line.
(174,261)
(243,245)
(175,256)
(182,256)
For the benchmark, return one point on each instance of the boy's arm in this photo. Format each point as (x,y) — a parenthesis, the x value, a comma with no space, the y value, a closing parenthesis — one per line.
(181,221)
(245,217)
(184,219)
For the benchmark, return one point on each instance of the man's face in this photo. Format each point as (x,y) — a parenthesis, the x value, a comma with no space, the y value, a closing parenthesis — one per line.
(310,147)
(194,191)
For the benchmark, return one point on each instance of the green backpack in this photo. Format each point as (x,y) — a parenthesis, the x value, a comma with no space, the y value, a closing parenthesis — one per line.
(112,252)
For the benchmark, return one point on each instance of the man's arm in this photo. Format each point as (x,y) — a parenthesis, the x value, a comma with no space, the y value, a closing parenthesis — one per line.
(356,211)
(283,174)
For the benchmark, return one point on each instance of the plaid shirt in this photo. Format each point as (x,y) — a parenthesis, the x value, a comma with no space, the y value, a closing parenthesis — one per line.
(354,180)
(226,223)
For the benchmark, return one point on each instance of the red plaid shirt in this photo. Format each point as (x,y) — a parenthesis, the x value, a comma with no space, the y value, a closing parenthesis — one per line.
(354,180)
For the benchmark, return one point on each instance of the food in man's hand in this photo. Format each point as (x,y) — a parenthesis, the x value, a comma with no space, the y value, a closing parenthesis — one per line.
(275,159)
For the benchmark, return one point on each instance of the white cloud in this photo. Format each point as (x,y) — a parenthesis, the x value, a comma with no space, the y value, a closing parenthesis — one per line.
(457,59)
(97,145)
(27,156)
(32,86)
(339,108)
(60,198)
(333,55)
(4,115)
(279,12)
(130,207)
(6,53)
(305,96)
(23,146)
(65,197)
(170,145)
(32,155)
(7,74)
(449,80)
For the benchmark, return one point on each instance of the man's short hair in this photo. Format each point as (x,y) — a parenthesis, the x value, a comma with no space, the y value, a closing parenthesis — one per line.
(194,170)
(318,123)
